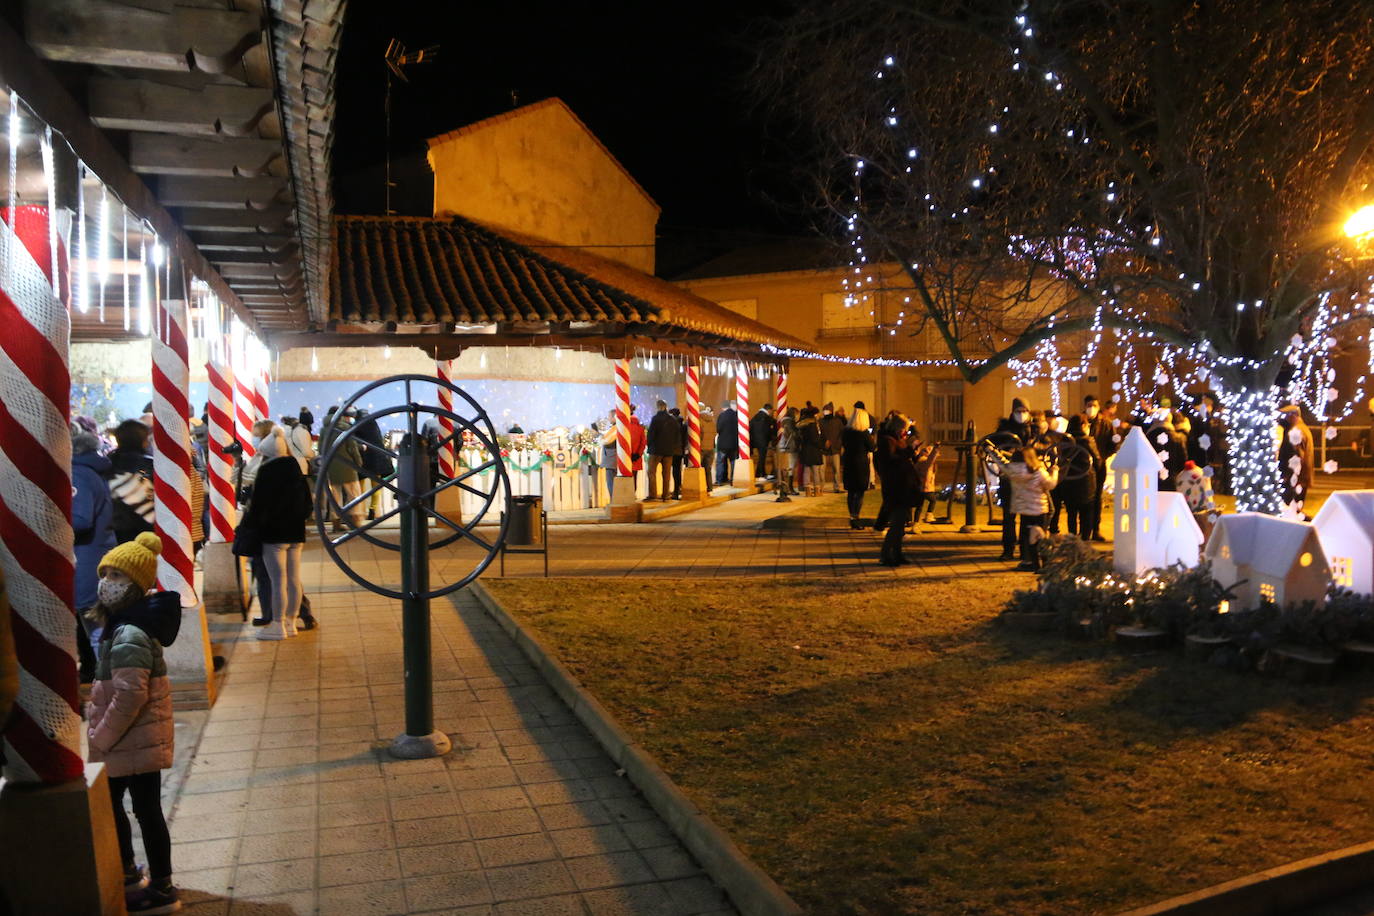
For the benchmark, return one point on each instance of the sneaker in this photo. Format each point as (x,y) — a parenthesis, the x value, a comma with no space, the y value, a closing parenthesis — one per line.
(153,900)
(306,623)
(261,621)
(135,878)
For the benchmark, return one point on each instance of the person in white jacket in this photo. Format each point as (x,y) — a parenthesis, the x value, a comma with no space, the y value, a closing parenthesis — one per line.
(1031,483)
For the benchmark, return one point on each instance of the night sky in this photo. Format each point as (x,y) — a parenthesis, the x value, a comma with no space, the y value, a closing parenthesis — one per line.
(668,96)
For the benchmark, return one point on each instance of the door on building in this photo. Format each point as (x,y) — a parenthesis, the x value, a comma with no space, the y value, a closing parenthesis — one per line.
(944,410)
(845,394)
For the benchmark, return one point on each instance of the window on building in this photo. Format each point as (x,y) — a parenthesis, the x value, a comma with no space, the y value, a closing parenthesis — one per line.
(843,314)
(749,308)
(1226,551)
(945,409)
(1267,591)
(1342,573)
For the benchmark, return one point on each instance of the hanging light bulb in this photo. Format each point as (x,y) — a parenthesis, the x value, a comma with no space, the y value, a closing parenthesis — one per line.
(386,352)
(314,360)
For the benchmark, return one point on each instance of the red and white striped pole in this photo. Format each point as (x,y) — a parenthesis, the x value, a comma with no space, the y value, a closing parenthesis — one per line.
(624,466)
(261,405)
(781,400)
(447,465)
(742,409)
(220,467)
(43,737)
(243,391)
(693,417)
(172,452)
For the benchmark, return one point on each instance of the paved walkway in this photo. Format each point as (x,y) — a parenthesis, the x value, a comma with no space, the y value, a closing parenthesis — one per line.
(292,805)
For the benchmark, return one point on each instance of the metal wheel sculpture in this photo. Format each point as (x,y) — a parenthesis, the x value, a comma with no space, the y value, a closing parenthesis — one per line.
(1070,458)
(997,450)
(418,495)
(417,508)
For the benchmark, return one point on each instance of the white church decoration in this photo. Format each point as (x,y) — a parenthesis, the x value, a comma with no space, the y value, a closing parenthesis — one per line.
(1345,525)
(1153,529)
(1268,559)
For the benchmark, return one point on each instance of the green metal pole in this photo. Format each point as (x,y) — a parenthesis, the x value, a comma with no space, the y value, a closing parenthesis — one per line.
(970,493)
(412,479)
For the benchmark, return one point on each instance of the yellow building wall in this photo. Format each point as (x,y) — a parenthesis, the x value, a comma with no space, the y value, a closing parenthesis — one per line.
(539,171)
(792,302)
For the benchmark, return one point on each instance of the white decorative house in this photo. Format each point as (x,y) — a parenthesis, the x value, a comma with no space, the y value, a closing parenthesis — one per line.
(1153,529)
(1345,525)
(1268,559)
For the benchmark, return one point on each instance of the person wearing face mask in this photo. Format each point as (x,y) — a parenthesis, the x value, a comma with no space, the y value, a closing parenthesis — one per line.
(1098,428)
(1017,424)
(268,442)
(129,719)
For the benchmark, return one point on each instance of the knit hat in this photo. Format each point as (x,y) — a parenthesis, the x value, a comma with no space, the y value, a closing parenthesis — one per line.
(137,559)
(1017,404)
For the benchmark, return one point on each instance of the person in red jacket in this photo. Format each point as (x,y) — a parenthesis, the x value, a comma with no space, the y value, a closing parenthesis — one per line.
(637,439)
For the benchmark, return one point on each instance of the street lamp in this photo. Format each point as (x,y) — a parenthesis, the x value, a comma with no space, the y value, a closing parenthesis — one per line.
(1361,223)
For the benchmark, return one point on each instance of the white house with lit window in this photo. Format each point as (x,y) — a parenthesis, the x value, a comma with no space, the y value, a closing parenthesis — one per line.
(1345,525)
(1268,559)
(1153,529)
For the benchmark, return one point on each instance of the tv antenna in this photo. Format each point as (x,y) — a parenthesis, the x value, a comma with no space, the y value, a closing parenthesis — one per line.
(397,59)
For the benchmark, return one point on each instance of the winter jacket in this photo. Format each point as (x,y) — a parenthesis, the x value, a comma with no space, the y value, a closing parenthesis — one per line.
(130,715)
(131,489)
(1030,490)
(302,446)
(856,443)
(727,431)
(809,442)
(272,445)
(832,429)
(708,432)
(92,522)
(665,434)
(1078,484)
(763,429)
(637,443)
(281,503)
(344,468)
(787,435)
(925,468)
(898,477)
(377,462)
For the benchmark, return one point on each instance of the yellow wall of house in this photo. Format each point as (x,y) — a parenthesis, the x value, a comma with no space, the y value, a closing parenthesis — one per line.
(792,302)
(540,172)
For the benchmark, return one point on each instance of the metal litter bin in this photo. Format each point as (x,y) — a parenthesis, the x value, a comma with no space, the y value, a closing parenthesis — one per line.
(526,528)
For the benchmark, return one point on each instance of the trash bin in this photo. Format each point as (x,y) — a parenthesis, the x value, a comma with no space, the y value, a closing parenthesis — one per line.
(525,529)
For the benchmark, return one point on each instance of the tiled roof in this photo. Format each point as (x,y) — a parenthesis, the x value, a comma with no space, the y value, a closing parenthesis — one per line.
(411,270)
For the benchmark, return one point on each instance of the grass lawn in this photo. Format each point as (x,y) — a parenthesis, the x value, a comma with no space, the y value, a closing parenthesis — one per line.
(884,748)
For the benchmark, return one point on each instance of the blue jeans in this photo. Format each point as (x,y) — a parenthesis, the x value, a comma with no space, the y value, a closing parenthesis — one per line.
(725,467)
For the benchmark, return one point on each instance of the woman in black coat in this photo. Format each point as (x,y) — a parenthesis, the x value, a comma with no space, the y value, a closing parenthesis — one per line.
(276,513)
(899,481)
(1078,479)
(856,444)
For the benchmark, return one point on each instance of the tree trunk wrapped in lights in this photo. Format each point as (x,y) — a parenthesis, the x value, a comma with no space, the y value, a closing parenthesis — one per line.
(1021,180)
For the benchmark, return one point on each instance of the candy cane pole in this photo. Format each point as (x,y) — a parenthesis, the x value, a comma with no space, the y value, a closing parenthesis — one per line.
(742,409)
(243,393)
(693,417)
(781,399)
(446,453)
(43,738)
(261,406)
(220,467)
(172,452)
(624,465)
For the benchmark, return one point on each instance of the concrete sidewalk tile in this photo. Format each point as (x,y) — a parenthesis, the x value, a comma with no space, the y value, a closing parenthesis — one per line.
(430,831)
(424,806)
(274,905)
(494,799)
(668,862)
(609,869)
(220,825)
(483,778)
(282,796)
(364,838)
(305,737)
(539,879)
(205,884)
(266,878)
(504,822)
(213,803)
(431,892)
(554,793)
(275,847)
(379,898)
(221,762)
(518,849)
(573,814)
(636,900)
(412,784)
(353,813)
(344,790)
(359,867)
(562,905)
(438,859)
(695,895)
(216,783)
(587,841)
(548,771)
(203,854)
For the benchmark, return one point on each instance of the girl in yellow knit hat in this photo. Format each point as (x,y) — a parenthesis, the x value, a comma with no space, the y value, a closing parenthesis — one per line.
(130,715)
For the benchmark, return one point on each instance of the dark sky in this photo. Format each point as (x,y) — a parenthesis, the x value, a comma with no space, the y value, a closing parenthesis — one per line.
(664,86)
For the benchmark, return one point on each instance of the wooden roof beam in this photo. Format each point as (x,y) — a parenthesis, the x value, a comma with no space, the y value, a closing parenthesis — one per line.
(207,219)
(133,104)
(168,154)
(225,193)
(105,33)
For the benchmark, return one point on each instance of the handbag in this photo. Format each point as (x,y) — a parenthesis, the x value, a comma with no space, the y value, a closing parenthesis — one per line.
(247,539)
